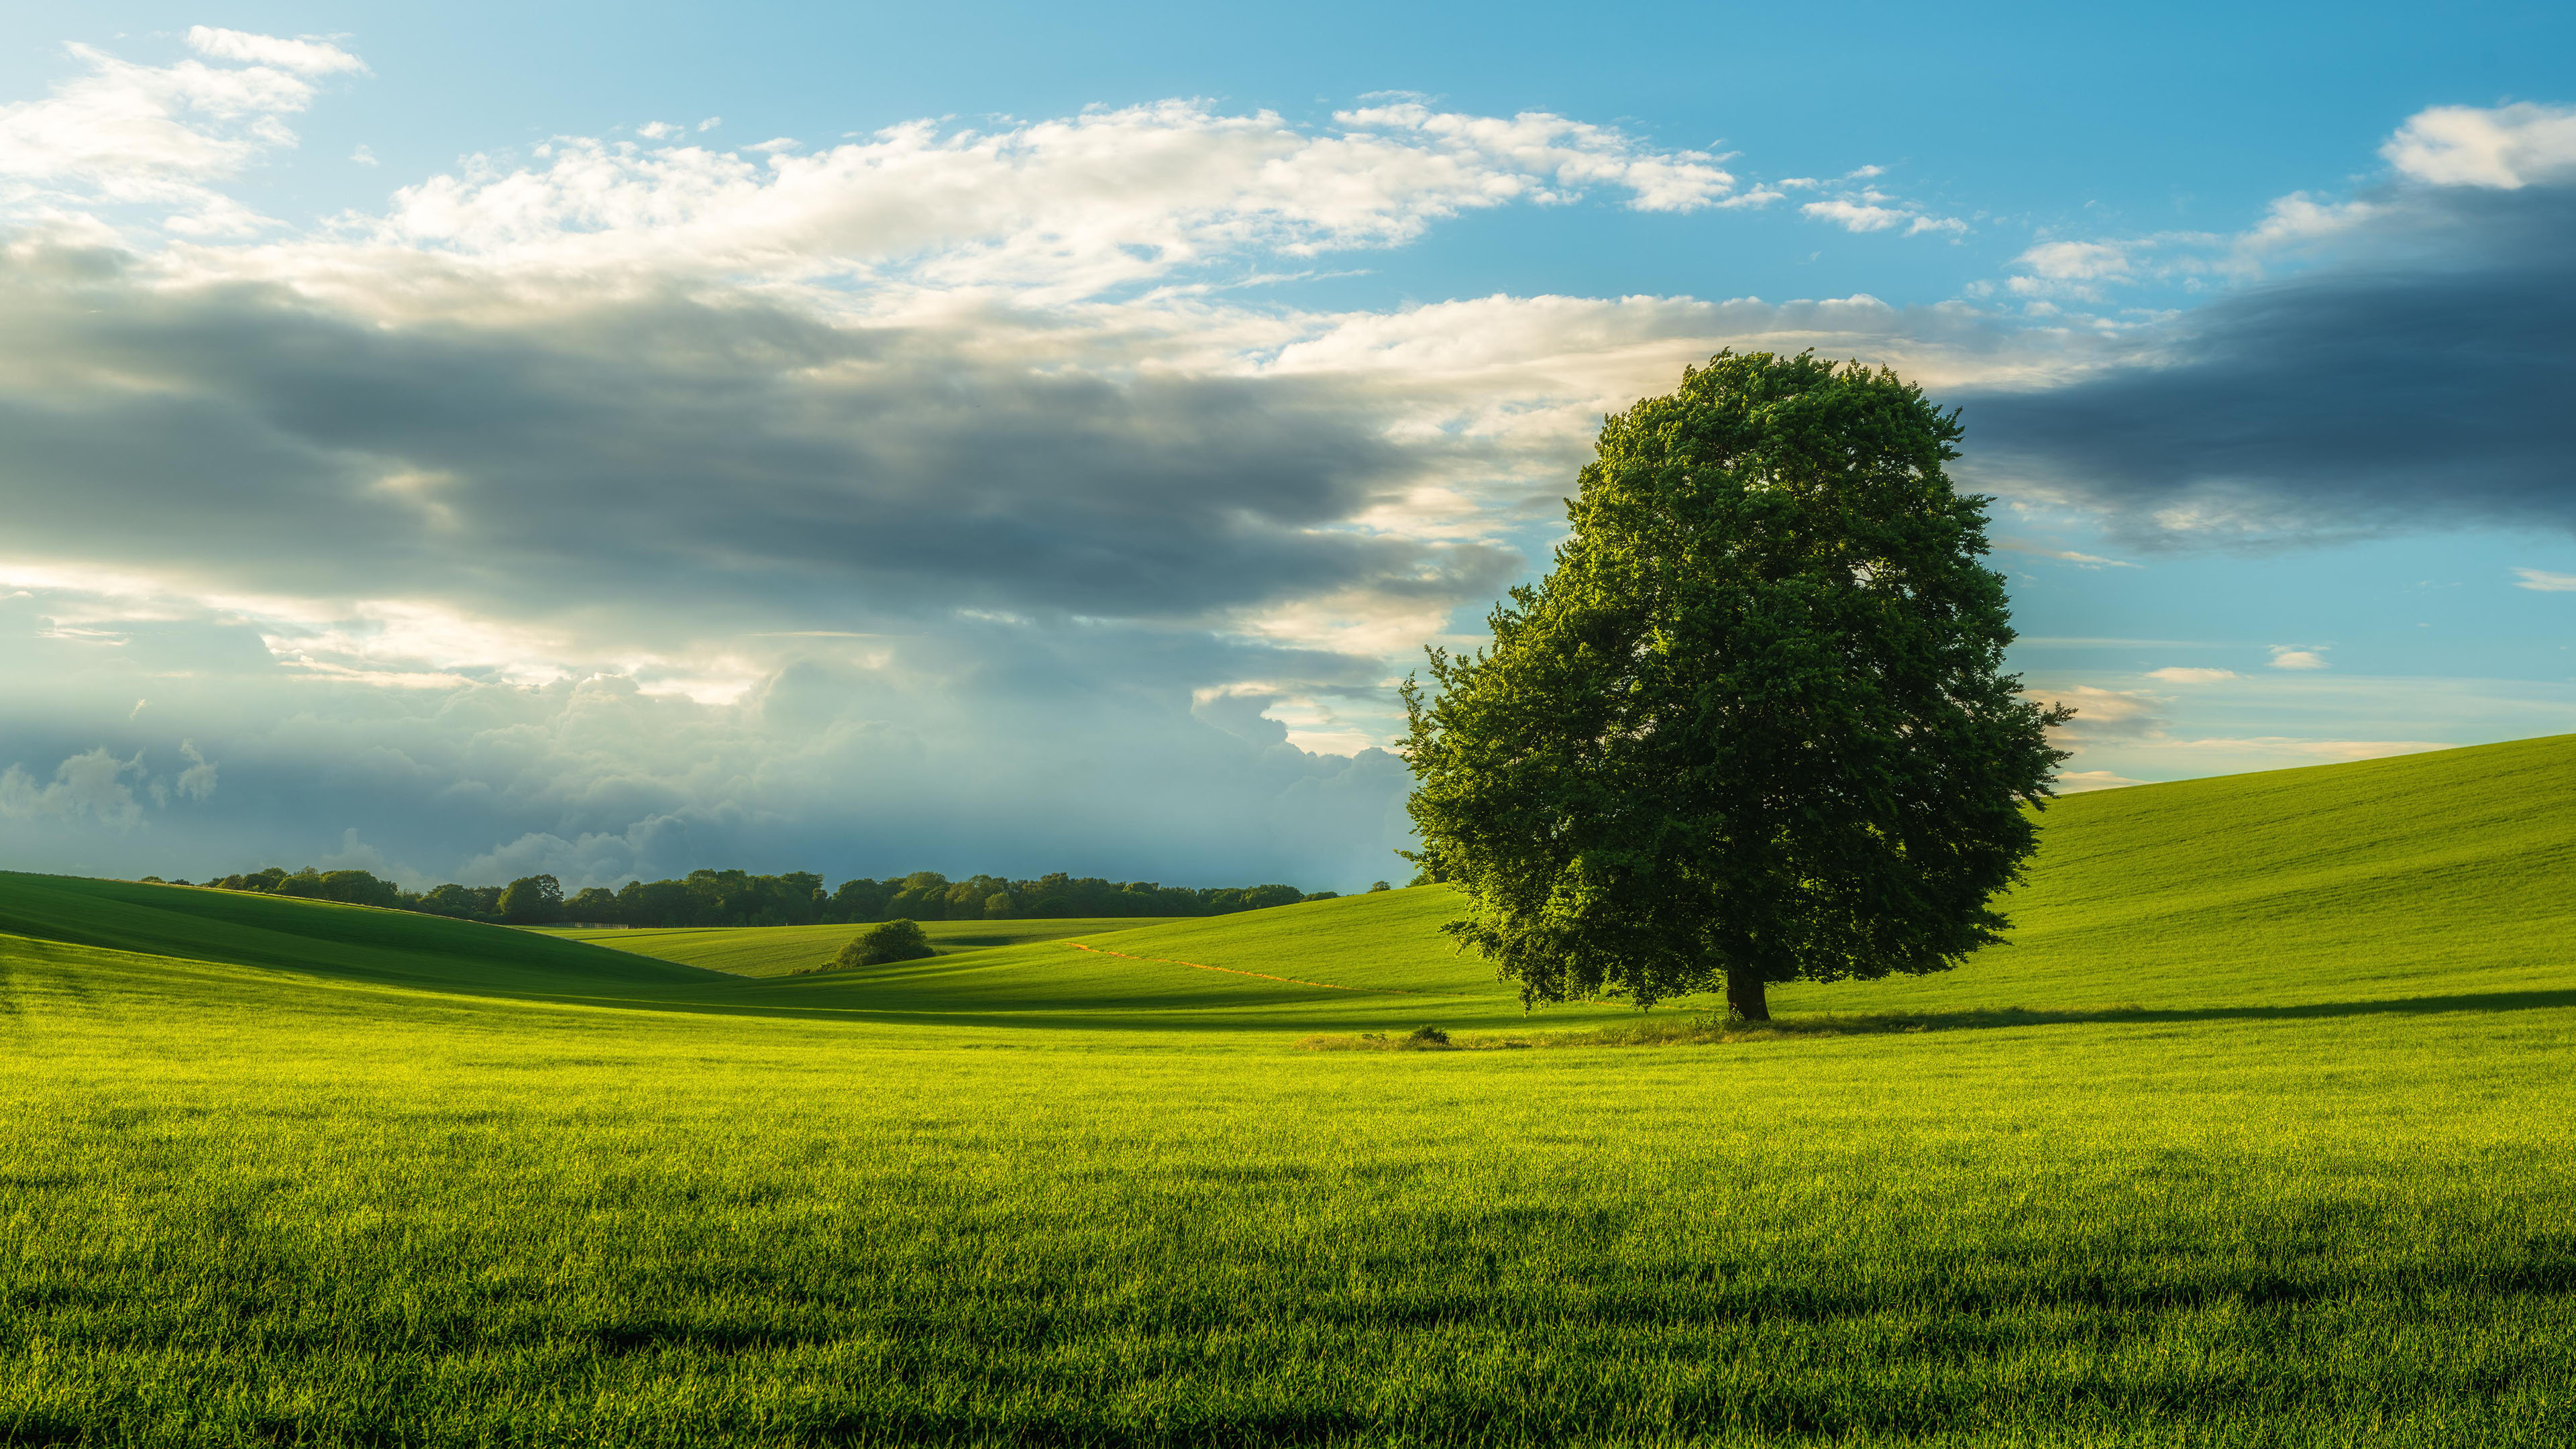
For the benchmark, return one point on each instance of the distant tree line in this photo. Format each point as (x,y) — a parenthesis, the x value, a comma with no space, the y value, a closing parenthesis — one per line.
(738,898)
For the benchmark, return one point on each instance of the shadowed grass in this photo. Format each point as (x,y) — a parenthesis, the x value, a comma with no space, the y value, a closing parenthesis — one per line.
(787,950)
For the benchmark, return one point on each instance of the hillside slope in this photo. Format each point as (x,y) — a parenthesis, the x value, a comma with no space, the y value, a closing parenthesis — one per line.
(1383,941)
(323,938)
(2422,875)
(786,950)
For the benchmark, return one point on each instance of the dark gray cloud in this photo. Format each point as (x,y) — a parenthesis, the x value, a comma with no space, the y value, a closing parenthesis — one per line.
(679,462)
(2425,376)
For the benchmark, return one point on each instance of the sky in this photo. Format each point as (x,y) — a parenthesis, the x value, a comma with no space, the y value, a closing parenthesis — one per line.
(462,442)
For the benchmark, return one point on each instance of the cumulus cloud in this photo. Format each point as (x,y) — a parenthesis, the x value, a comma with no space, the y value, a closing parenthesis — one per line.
(2180,675)
(198,780)
(2284,657)
(2505,147)
(2543,581)
(90,786)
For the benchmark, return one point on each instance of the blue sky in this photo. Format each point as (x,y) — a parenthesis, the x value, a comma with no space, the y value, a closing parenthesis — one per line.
(468,440)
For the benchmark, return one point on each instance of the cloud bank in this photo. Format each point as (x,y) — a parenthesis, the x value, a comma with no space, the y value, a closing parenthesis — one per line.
(981,498)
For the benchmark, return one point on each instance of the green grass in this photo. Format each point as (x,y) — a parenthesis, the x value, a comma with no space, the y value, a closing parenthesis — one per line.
(2276,1150)
(786,950)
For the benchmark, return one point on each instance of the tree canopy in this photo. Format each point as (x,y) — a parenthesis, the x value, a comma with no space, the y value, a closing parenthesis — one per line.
(1754,725)
(532,900)
(896,940)
(796,898)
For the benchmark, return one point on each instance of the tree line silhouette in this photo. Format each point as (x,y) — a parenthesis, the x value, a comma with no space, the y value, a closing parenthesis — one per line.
(738,898)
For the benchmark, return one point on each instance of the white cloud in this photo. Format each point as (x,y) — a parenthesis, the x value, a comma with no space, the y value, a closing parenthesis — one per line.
(1061,208)
(198,780)
(2078,782)
(305,57)
(1871,211)
(2077,261)
(2543,581)
(2102,714)
(149,141)
(2191,676)
(2503,147)
(89,784)
(2284,657)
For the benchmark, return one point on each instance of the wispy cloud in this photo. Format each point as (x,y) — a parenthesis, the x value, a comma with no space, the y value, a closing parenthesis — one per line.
(2077,782)
(2316,750)
(2039,550)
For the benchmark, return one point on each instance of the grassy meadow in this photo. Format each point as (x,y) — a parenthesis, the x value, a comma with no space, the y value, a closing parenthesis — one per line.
(791,950)
(2263,1131)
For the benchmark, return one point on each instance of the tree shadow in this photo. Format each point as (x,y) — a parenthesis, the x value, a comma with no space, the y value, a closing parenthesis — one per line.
(1977,1018)
(1685,1028)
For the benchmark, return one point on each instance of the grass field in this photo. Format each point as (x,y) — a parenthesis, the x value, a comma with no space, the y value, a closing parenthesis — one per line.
(2279,1151)
(786,950)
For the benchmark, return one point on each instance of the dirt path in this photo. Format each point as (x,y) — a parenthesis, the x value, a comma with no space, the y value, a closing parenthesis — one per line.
(1265,976)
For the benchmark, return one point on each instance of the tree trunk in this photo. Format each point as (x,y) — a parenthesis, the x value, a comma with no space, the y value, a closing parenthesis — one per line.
(1744,993)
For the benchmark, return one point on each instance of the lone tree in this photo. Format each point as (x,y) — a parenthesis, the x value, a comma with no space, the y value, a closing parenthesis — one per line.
(1753,727)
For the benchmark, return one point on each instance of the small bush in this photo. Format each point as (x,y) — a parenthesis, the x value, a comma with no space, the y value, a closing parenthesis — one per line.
(1426,1036)
(893,941)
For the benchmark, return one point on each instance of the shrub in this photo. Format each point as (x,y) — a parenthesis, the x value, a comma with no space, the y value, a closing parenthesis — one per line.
(1376,886)
(893,941)
(1426,1036)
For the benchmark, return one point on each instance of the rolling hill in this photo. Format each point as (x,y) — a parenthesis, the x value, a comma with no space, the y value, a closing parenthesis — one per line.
(2424,876)
(2420,876)
(320,938)
(788,950)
